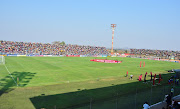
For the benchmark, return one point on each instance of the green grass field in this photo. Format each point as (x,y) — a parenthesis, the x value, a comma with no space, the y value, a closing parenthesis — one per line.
(67,77)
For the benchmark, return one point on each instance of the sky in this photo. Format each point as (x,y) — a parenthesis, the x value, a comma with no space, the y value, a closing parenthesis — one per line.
(148,24)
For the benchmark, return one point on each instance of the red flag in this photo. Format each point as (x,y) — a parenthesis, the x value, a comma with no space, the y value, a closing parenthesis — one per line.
(140,63)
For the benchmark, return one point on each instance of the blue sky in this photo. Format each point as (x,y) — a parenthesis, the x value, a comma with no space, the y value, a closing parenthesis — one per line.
(151,24)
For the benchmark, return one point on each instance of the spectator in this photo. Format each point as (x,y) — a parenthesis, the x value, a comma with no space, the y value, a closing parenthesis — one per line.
(177,81)
(172,92)
(168,100)
(163,54)
(146,106)
(28,48)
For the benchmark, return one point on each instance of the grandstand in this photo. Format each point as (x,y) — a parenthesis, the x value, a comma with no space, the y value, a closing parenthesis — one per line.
(29,48)
(164,54)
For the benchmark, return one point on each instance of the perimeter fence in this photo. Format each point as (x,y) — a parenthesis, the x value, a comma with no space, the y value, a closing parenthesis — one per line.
(130,101)
(117,100)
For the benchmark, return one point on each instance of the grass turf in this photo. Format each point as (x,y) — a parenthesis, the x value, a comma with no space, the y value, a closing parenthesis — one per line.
(60,75)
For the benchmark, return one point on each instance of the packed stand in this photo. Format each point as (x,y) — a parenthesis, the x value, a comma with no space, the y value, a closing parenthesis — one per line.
(28,48)
(158,53)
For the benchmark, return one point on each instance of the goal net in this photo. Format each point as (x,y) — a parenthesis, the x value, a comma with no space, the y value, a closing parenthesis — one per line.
(2,60)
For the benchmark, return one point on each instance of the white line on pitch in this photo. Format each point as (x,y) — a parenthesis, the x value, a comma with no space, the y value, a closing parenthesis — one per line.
(10,74)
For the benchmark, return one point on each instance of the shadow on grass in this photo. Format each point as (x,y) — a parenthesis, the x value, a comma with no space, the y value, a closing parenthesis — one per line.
(7,83)
(131,95)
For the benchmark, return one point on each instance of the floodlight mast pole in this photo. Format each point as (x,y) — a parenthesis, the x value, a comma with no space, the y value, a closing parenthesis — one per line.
(113,28)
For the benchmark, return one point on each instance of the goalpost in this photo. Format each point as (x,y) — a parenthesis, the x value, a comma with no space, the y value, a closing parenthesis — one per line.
(2,60)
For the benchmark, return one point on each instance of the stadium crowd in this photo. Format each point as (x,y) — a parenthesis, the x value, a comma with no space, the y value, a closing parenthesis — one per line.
(160,53)
(28,48)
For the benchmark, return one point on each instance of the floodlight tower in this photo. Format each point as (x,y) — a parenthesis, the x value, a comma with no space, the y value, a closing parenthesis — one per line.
(113,28)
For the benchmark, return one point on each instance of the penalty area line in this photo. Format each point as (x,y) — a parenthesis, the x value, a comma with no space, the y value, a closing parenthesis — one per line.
(11,75)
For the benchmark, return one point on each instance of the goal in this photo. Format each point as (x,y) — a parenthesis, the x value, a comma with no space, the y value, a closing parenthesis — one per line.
(2,60)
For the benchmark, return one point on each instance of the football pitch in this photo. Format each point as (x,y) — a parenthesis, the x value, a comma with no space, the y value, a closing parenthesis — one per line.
(46,76)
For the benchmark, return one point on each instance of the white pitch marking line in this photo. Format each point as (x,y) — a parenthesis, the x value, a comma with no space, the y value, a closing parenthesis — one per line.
(10,74)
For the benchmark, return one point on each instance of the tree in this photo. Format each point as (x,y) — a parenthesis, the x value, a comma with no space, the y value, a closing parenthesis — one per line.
(62,43)
(126,51)
(56,43)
